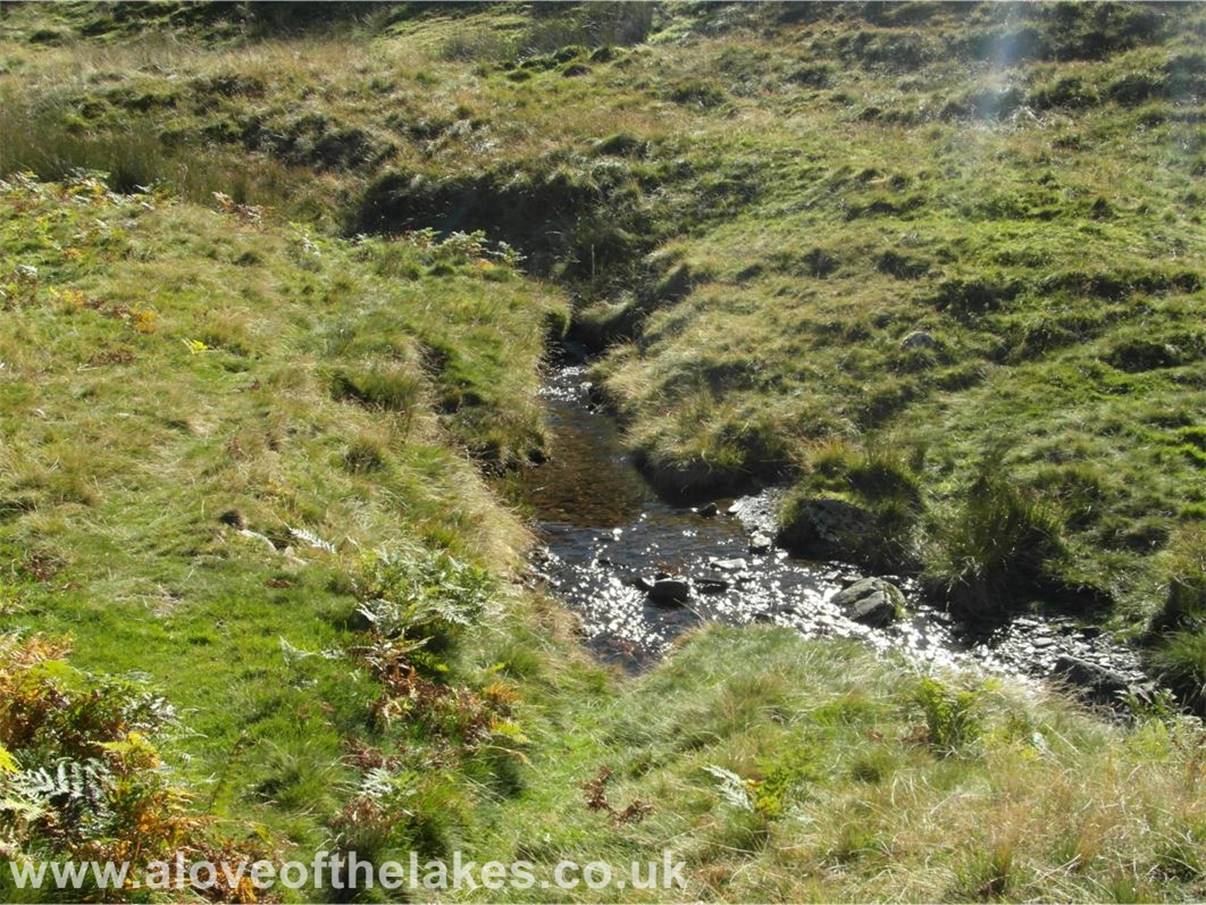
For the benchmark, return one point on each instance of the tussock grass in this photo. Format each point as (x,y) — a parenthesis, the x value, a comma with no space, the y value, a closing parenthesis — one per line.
(856,780)
(51,141)
(1176,633)
(1000,545)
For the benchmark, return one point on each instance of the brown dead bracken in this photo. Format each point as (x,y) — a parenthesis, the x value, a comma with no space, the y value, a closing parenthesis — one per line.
(596,800)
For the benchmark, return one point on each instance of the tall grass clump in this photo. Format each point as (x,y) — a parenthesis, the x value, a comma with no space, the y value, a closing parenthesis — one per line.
(41,137)
(1001,547)
(392,386)
(1177,633)
(593,25)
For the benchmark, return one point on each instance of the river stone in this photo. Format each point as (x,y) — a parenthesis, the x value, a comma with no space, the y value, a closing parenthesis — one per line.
(736,564)
(670,590)
(872,601)
(1096,682)
(709,510)
(711,584)
(760,543)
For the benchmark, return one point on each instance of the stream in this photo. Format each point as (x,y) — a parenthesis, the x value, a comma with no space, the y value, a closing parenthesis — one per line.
(603,529)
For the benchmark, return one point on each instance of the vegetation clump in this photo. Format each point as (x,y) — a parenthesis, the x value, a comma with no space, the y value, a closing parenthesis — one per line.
(1177,630)
(862,505)
(80,772)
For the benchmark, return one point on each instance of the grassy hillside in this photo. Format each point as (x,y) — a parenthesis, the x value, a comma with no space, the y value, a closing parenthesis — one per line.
(248,439)
(945,237)
(221,437)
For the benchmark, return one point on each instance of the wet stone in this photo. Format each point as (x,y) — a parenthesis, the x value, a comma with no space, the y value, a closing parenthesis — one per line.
(670,590)
(1096,682)
(872,601)
(759,543)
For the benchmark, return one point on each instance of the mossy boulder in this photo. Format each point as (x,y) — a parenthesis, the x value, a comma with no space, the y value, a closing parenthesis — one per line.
(872,601)
(826,526)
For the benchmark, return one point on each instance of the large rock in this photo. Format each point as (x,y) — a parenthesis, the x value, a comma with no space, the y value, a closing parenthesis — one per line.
(872,601)
(670,590)
(1097,683)
(827,526)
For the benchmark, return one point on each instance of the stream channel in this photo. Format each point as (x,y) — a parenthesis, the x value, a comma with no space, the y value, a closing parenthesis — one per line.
(603,529)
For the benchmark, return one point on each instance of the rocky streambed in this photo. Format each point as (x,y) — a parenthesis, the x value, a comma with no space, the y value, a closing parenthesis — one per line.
(639,570)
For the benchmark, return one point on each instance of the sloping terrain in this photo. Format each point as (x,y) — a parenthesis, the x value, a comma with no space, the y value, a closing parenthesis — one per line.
(224,470)
(947,235)
(941,263)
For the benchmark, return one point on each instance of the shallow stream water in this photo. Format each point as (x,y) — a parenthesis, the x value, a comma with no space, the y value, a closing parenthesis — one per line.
(603,528)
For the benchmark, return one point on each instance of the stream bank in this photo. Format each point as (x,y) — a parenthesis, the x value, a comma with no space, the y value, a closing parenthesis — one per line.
(606,536)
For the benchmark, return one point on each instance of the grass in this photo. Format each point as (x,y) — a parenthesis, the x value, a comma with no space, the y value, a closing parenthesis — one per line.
(190,494)
(1176,650)
(939,267)
(1000,546)
(809,771)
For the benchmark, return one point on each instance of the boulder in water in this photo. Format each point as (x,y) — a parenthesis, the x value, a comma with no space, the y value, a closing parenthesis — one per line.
(872,601)
(670,590)
(760,543)
(827,526)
